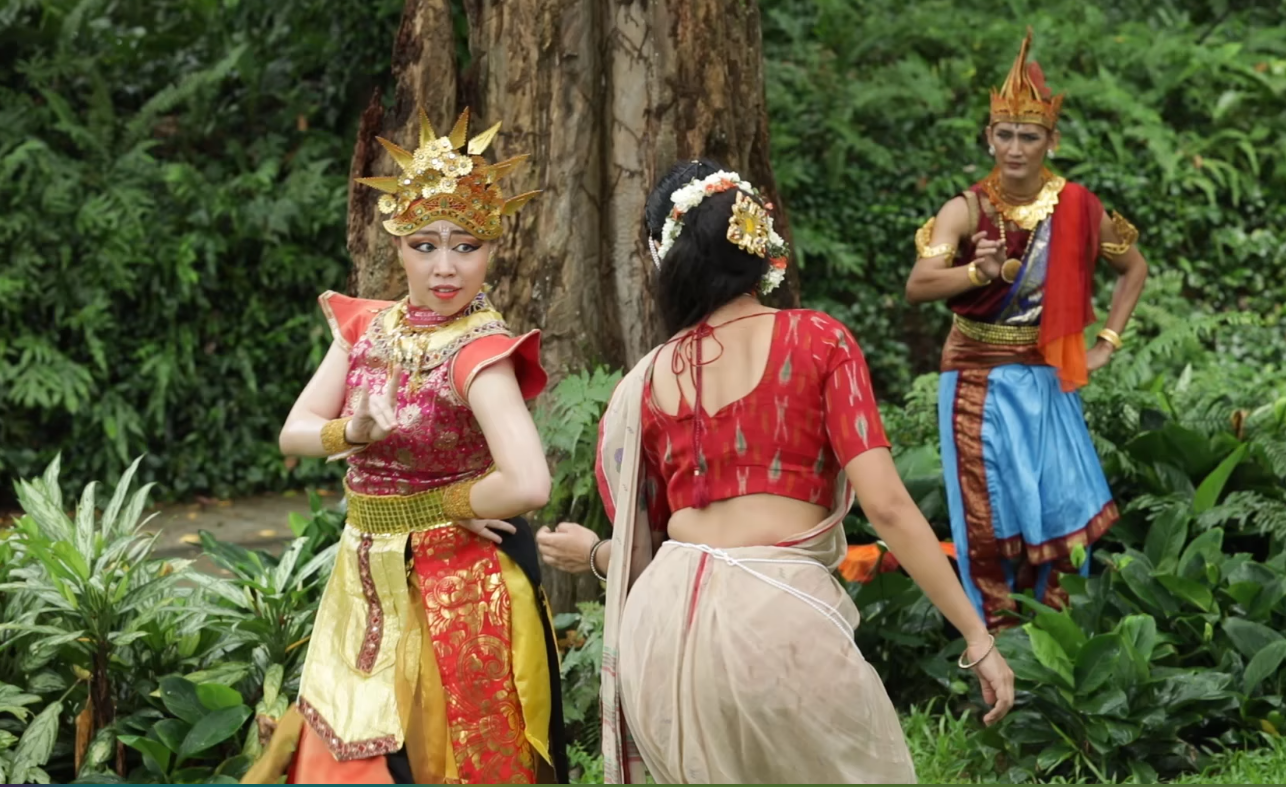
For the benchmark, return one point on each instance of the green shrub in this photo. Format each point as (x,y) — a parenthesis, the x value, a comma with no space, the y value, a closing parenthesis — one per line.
(175,184)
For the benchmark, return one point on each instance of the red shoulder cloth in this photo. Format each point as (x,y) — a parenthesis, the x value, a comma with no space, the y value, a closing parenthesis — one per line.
(523,351)
(349,317)
(1069,282)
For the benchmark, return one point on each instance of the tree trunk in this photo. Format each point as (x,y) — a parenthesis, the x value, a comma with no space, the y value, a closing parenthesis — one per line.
(606,95)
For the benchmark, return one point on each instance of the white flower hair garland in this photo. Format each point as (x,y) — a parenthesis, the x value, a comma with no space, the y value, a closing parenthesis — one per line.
(750,227)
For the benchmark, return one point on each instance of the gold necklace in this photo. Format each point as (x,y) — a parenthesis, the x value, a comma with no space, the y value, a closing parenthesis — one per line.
(1028,215)
(1009,270)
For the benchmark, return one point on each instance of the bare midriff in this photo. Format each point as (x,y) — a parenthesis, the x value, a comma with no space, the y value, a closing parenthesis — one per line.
(748,521)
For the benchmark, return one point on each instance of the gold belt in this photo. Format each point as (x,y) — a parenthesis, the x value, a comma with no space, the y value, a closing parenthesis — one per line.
(399,514)
(991,333)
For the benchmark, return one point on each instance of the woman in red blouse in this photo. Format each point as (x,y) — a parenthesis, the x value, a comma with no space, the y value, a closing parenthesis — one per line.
(727,461)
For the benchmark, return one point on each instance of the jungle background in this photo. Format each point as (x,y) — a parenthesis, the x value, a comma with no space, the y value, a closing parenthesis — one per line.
(176,194)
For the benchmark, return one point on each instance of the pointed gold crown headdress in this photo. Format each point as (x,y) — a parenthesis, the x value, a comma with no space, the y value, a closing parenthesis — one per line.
(1025,98)
(443,179)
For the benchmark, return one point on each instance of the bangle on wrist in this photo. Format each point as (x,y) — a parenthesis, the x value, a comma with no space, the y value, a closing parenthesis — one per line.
(593,557)
(1111,337)
(333,436)
(961,662)
(975,276)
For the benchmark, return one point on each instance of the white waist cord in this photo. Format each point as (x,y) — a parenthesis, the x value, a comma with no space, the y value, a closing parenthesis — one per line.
(827,611)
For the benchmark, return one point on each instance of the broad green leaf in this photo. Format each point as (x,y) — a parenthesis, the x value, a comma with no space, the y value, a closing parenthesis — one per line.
(1244,593)
(101,748)
(7,740)
(154,749)
(1208,545)
(272,680)
(1166,537)
(118,498)
(214,729)
(1191,591)
(1109,702)
(122,638)
(216,697)
(1096,663)
(227,673)
(15,701)
(1053,756)
(1050,654)
(1064,630)
(84,545)
(180,698)
(171,732)
(1212,487)
(38,740)
(281,575)
(1248,637)
(1265,663)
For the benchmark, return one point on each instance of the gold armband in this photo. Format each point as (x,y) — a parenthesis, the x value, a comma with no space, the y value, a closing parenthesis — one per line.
(332,436)
(1126,231)
(456,504)
(925,251)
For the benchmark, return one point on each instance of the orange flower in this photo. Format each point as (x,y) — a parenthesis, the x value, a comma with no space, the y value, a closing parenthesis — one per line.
(864,561)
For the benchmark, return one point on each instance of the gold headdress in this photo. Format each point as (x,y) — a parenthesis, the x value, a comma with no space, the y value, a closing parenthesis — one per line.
(1025,98)
(442,181)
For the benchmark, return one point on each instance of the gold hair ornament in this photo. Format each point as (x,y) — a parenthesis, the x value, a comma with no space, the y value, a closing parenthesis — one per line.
(443,179)
(1024,97)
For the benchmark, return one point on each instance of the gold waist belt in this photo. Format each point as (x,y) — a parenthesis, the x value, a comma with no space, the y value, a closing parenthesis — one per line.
(399,514)
(991,333)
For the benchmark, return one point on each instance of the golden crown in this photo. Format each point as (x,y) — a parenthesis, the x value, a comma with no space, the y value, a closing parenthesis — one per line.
(1024,98)
(444,180)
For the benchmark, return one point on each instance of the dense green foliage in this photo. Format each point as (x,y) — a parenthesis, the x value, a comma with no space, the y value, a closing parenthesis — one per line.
(175,182)
(185,660)
(1174,113)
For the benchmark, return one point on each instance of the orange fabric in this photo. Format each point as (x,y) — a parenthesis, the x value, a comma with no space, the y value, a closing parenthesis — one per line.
(1069,310)
(349,317)
(314,764)
(523,350)
(864,561)
(1067,355)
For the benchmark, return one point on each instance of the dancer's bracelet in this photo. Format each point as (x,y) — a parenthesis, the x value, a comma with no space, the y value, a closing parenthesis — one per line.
(1111,337)
(961,662)
(333,439)
(976,278)
(456,502)
(593,555)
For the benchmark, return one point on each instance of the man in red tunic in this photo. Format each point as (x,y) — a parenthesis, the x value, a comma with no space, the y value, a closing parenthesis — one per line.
(1014,258)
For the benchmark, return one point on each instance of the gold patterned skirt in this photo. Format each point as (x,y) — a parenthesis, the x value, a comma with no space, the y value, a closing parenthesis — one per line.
(436,671)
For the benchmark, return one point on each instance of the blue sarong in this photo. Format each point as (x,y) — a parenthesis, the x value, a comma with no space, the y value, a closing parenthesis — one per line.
(1024,483)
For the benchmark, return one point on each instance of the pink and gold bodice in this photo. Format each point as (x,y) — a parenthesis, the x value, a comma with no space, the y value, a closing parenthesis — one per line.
(438,440)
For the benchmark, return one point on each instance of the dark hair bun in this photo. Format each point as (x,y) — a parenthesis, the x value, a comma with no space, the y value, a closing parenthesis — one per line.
(704,270)
(658,202)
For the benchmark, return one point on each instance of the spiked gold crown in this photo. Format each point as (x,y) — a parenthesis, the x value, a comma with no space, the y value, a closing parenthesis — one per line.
(1025,98)
(444,180)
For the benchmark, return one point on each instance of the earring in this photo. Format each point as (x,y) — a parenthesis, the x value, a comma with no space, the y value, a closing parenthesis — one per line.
(656,258)
(991,149)
(1051,153)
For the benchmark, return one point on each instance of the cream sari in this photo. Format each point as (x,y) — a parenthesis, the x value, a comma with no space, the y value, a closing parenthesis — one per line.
(739,665)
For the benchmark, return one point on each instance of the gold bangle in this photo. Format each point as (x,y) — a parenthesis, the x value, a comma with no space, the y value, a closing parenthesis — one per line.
(976,277)
(332,436)
(1111,337)
(456,504)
